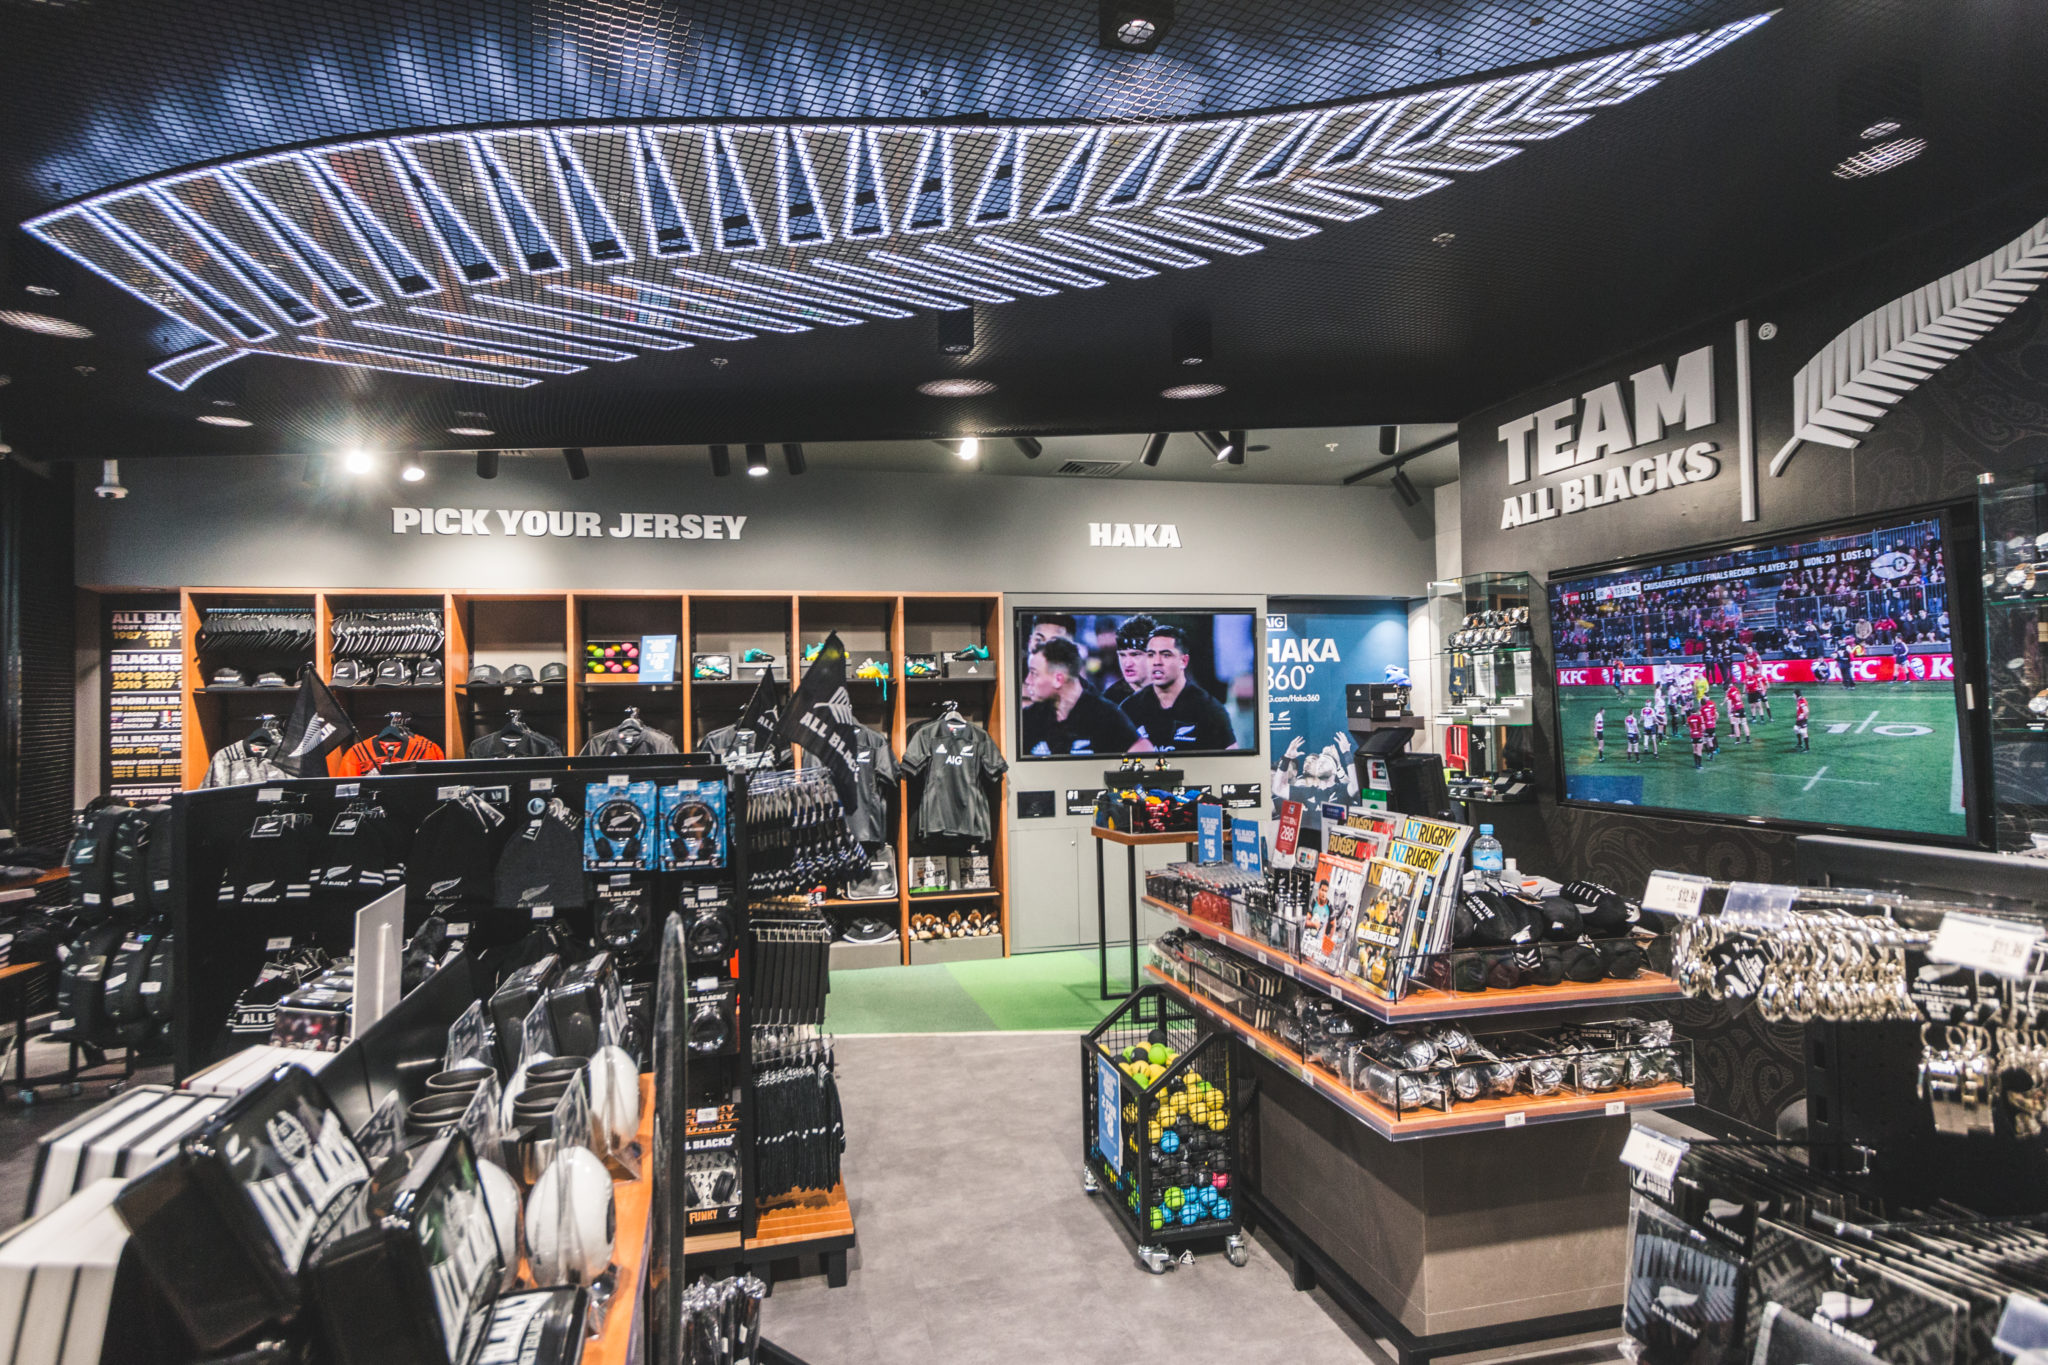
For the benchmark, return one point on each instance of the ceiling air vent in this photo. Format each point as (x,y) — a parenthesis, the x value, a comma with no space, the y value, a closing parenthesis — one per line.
(1090,469)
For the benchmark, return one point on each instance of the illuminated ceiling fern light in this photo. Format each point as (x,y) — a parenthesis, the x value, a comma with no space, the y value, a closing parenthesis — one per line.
(44,325)
(499,256)
(1883,157)
(1192,391)
(956,388)
(471,431)
(214,420)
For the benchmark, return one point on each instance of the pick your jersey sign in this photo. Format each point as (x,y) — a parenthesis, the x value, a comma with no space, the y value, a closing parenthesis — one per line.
(535,523)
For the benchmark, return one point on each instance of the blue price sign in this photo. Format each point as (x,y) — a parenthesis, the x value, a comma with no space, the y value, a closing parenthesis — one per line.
(1208,834)
(658,658)
(1109,1114)
(1244,843)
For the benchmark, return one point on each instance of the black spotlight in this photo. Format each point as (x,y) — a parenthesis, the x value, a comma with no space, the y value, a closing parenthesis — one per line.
(956,331)
(757,460)
(1155,446)
(1405,489)
(1191,341)
(1390,440)
(1030,446)
(1227,449)
(793,456)
(579,468)
(721,461)
(1132,25)
(1235,454)
(487,464)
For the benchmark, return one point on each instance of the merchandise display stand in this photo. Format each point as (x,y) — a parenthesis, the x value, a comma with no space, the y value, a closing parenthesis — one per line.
(1132,843)
(882,632)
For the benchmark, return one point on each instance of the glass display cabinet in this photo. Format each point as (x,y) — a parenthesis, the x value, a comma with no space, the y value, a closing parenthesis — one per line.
(1486,632)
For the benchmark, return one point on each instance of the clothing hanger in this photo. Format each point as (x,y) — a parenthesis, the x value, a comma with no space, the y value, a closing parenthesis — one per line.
(632,722)
(398,726)
(514,724)
(266,736)
(948,707)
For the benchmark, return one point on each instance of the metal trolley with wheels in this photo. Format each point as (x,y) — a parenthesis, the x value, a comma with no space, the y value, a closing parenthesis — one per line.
(1159,1135)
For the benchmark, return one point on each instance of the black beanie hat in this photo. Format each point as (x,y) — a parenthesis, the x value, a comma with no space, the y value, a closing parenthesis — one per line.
(1562,923)
(542,866)
(1605,912)
(1581,962)
(1549,968)
(1622,959)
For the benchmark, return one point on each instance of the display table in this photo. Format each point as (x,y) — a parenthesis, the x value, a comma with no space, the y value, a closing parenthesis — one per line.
(1132,843)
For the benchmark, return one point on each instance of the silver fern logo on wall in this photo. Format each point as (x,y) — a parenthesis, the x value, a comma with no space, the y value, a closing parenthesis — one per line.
(1839,396)
(508,255)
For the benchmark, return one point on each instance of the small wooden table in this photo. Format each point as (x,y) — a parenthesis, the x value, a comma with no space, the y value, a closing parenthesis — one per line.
(1132,843)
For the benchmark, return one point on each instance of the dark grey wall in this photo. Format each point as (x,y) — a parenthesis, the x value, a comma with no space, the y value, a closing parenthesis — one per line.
(1987,410)
(247,522)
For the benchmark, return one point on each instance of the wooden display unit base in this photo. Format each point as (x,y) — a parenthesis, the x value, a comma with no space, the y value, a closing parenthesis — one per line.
(816,1225)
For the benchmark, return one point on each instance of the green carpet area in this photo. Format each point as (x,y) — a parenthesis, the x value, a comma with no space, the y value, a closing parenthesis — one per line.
(1028,991)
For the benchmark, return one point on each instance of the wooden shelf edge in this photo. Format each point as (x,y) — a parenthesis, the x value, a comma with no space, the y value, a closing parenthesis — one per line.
(1424,1002)
(1117,836)
(1476,1116)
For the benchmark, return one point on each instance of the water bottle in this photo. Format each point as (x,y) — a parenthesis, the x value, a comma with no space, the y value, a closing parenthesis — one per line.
(1488,859)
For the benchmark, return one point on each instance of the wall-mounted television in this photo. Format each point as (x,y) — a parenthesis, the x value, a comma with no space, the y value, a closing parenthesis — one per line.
(1183,682)
(1820,667)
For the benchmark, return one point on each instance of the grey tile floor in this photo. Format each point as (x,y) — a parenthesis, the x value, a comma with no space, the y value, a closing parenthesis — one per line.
(976,1244)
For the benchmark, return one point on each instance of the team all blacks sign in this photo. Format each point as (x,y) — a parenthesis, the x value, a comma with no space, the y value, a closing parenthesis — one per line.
(1626,429)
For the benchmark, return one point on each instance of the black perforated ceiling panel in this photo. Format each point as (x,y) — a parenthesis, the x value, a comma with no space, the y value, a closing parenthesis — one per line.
(541,225)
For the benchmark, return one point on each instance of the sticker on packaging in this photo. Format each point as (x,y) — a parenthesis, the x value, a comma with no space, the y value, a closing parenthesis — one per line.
(693,824)
(618,825)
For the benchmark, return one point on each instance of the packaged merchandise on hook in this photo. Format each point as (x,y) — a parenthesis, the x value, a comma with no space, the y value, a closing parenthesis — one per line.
(797,835)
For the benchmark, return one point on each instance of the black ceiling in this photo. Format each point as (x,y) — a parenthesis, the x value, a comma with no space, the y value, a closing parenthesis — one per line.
(1337,290)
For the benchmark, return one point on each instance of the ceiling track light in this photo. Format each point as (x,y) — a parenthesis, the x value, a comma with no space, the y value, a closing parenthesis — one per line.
(967,447)
(1235,455)
(721,461)
(412,471)
(1405,489)
(1155,446)
(1136,26)
(956,330)
(579,468)
(487,464)
(757,461)
(1029,446)
(1390,440)
(358,462)
(110,485)
(793,456)
(1228,449)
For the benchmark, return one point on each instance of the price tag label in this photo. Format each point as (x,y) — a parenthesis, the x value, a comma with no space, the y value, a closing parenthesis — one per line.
(1758,896)
(543,912)
(1675,893)
(1514,1120)
(1617,1106)
(2001,947)
(1655,1155)
(342,789)
(277,945)
(267,794)
(459,929)
(541,784)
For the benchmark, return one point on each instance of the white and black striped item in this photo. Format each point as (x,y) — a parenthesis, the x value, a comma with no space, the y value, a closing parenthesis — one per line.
(58,1278)
(122,1137)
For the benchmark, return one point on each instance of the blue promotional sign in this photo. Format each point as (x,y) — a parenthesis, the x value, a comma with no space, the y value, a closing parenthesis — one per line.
(1109,1114)
(1244,843)
(1208,833)
(1310,656)
(658,658)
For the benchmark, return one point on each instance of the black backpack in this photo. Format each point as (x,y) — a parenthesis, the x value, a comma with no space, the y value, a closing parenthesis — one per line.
(81,1000)
(135,992)
(109,861)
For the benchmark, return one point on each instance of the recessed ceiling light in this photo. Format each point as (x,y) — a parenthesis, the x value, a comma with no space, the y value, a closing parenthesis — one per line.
(471,431)
(215,420)
(1883,157)
(357,462)
(1192,391)
(1883,128)
(955,388)
(757,461)
(44,324)
(413,472)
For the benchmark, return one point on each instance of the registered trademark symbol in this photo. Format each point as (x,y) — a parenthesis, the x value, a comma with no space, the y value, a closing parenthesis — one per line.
(1767,331)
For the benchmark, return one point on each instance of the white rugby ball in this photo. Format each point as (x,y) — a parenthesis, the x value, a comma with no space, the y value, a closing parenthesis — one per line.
(570,1220)
(501,1197)
(615,1095)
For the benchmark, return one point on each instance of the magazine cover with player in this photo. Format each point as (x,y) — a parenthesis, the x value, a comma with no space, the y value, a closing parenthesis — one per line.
(1332,916)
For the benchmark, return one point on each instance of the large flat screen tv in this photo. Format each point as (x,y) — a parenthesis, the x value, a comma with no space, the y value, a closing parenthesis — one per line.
(1849,628)
(1136,682)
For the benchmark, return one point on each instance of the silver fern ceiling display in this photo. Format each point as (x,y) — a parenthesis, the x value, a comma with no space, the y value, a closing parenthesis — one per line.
(1852,382)
(505,256)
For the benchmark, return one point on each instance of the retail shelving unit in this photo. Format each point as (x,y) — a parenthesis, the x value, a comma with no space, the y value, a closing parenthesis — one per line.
(1489,689)
(1422,1002)
(1469,1117)
(500,629)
